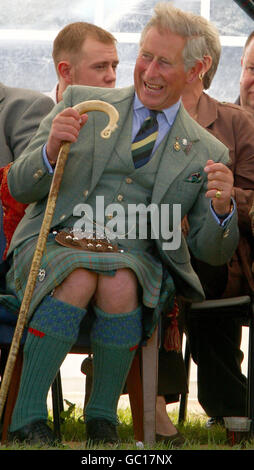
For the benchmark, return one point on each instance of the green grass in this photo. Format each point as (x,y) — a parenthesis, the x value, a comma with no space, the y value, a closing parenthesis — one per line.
(198,437)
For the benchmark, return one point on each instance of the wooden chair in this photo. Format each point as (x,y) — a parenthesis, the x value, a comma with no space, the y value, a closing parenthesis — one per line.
(241,308)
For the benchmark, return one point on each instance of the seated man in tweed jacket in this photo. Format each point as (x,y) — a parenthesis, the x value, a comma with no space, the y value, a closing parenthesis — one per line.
(127,288)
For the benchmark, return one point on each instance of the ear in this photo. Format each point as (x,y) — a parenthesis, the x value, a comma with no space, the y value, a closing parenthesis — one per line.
(65,71)
(194,72)
(200,68)
(207,63)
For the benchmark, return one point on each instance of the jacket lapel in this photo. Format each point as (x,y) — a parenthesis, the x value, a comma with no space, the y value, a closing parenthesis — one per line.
(177,153)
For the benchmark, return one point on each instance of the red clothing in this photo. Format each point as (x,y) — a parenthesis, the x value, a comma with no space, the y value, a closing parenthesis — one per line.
(13,211)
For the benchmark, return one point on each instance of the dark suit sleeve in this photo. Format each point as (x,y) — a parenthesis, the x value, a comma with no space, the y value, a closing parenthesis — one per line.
(27,122)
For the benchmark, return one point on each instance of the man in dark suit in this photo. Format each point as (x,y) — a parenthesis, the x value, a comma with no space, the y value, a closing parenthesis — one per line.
(129,288)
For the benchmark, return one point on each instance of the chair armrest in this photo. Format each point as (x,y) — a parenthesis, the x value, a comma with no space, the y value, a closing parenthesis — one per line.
(219,303)
(231,307)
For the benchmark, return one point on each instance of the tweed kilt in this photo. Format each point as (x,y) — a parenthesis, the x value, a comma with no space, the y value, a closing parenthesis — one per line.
(58,262)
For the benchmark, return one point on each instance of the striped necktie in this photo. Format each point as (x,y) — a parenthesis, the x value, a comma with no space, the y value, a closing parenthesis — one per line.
(144,141)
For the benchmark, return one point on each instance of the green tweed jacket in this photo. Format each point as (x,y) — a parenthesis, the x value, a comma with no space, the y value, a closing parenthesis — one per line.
(180,180)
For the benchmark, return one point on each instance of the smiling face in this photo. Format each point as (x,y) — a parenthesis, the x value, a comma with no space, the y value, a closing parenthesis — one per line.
(159,74)
(247,78)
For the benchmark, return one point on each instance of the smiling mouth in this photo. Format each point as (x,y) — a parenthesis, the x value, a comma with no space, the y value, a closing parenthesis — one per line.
(152,86)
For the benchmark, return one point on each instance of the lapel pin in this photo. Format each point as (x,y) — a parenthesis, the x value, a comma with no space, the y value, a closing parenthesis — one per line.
(177,146)
(187,147)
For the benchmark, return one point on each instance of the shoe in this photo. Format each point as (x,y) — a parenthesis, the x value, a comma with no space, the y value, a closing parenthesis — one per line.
(177,439)
(101,430)
(215,420)
(34,433)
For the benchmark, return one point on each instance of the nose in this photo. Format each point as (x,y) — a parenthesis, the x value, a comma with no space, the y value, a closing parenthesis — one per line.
(111,74)
(151,69)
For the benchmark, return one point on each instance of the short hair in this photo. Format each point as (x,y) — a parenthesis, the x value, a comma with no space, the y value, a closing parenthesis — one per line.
(71,38)
(248,41)
(202,37)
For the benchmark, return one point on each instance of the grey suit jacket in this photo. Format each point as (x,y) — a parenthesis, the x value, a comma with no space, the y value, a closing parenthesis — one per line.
(21,112)
(180,180)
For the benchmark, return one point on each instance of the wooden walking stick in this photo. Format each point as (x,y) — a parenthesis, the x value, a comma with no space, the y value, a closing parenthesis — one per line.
(86,106)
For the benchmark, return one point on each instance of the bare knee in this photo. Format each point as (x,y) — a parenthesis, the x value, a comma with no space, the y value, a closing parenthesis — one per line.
(77,288)
(119,293)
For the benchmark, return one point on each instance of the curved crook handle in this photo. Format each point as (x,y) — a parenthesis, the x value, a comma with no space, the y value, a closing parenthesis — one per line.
(97,105)
(86,106)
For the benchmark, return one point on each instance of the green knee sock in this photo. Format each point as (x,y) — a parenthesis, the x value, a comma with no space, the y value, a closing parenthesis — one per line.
(114,340)
(52,332)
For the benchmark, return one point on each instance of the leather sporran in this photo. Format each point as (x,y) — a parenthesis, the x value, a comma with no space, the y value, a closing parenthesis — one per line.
(85,242)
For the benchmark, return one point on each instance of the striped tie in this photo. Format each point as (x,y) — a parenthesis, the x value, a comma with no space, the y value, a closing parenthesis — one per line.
(144,141)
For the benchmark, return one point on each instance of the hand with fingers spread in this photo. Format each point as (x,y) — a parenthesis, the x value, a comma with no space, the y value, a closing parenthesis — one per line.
(65,128)
(219,187)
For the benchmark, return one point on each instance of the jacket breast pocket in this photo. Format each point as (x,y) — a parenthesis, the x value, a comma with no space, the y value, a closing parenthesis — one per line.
(186,193)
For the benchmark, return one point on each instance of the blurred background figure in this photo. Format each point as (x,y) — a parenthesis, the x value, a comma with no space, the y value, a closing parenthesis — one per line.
(84,54)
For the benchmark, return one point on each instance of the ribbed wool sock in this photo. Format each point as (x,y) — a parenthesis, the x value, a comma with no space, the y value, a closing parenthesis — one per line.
(114,340)
(52,332)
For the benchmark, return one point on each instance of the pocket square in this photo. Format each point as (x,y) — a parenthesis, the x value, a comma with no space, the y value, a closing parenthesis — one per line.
(194,178)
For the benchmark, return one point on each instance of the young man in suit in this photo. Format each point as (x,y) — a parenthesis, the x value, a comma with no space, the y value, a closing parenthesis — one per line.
(129,288)
(84,54)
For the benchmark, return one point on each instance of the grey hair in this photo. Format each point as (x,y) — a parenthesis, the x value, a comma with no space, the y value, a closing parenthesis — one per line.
(202,37)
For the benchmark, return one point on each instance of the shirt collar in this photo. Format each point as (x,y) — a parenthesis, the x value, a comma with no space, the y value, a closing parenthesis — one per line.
(169,113)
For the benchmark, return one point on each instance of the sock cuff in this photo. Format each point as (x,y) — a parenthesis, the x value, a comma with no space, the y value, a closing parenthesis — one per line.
(99,312)
(117,330)
(57,319)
